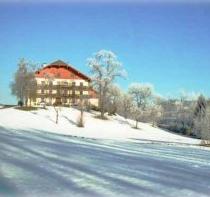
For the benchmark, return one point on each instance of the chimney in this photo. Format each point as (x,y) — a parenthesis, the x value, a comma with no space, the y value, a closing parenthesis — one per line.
(44,64)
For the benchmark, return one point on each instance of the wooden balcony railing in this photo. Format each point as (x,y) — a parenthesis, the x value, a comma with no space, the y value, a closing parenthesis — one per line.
(47,95)
(63,86)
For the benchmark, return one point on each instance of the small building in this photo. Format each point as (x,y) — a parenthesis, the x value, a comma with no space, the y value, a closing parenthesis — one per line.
(60,83)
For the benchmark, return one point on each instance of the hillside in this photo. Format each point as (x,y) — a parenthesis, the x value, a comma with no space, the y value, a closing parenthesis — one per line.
(116,127)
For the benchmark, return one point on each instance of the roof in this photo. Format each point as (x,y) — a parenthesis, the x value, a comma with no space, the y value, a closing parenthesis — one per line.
(60,63)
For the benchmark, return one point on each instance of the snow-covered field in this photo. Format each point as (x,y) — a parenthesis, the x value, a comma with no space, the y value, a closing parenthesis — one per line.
(115,128)
(46,164)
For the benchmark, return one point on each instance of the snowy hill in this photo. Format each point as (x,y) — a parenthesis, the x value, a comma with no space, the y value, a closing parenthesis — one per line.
(115,128)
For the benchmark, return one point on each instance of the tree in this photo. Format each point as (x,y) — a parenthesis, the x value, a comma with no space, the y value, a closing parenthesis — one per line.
(24,84)
(201,119)
(105,68)
(31,87)
(154,114)
(57,109)
(136,114)
(113,99)
(127,104)
(80,121)
(141,94)
(200,109)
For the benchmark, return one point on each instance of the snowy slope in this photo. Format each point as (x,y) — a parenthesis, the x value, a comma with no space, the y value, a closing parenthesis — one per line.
(114,128)
(41,164)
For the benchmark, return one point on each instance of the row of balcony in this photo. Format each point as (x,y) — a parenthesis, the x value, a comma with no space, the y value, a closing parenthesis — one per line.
(62,95)
(67,87)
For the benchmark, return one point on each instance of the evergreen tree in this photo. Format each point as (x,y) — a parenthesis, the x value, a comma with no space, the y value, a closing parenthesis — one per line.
(201,121)
(200,109)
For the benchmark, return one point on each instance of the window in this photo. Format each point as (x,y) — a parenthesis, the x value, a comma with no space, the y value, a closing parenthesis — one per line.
(43,82)
(65,83)
(64,100)
(61,91)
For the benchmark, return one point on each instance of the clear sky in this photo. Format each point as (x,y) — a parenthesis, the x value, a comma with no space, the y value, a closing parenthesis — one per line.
(166,44)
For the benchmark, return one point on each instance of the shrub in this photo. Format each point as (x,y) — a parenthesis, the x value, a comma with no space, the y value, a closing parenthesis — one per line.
(20,103)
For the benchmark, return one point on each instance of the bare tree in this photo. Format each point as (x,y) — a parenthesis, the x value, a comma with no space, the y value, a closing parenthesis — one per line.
(105,67)
(32,89)
(141,94)
(154,114)
(80,121)
(113,99)
(57,109)
(127,104)
(23,85)
(136,115)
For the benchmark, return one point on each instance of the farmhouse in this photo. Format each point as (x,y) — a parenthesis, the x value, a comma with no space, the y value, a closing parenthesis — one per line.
(62,84)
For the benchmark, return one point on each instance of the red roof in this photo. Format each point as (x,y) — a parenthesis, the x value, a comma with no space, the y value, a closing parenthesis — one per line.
(62,70)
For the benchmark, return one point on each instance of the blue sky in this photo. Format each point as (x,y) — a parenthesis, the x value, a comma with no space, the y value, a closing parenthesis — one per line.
(166,44)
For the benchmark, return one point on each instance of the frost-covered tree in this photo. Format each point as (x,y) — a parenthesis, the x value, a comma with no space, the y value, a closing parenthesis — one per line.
(141,94)
(136,114)
(126,104)
(23,85)
(154,113)
(105,68)
(113,99)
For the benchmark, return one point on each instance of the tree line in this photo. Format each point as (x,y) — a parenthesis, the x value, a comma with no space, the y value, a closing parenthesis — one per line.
(188,116)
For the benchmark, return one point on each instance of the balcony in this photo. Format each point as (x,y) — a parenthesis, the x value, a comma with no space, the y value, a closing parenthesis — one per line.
(63,86)
(62,95)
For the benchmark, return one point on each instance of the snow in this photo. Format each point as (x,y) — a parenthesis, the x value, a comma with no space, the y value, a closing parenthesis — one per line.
(106,158)
(116,127)
(46,164)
